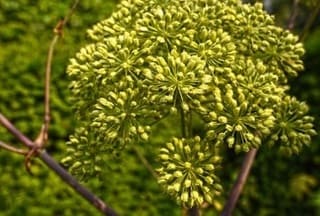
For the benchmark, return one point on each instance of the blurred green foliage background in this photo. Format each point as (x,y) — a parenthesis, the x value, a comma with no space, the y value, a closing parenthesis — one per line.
(278,184)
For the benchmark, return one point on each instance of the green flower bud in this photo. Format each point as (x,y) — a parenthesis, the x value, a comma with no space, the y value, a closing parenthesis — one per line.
(199,170)
(177,156)
(208,179)
(187,183)
(187,165)
(208,198)
(176,186)
(144,136)
(195,195)
(184,197)
(164,157)
(171,166)
(222,119)
(230,141)
(178,174)
(76,165)
(238,128)
(209,167)
(170,146)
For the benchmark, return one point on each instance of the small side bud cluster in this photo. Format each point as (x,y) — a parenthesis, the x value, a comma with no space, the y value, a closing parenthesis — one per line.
(82,163)
(294,128)
(188,171)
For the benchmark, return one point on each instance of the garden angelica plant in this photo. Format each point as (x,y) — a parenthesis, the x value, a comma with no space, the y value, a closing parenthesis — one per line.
(224,64)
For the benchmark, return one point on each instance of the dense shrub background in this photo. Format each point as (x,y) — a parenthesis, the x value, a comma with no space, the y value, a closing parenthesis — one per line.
(278,185)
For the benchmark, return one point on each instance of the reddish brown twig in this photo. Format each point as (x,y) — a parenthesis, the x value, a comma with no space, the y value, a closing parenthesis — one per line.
(42,138)
(58,30)
(13,149)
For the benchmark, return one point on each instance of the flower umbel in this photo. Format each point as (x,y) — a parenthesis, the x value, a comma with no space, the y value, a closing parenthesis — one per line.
(118,117)
(238,120)
(293,127)
(188,171)
(178,77)
(220,65)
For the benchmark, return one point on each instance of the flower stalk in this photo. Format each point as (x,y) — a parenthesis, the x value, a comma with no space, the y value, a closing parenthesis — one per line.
(239,184)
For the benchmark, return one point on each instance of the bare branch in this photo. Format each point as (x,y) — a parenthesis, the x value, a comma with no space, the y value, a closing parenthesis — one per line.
(13,149)
(42,138)
(70,180)
(238,186)
(52,164)
(16,133)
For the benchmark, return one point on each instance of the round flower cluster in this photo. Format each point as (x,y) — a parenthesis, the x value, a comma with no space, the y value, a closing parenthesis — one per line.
(187,171)
(238,120)
(116,117)
(84,154)
(178,78)
(293,127)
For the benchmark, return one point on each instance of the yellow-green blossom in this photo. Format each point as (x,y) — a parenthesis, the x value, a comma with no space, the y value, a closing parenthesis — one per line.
(188,171)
